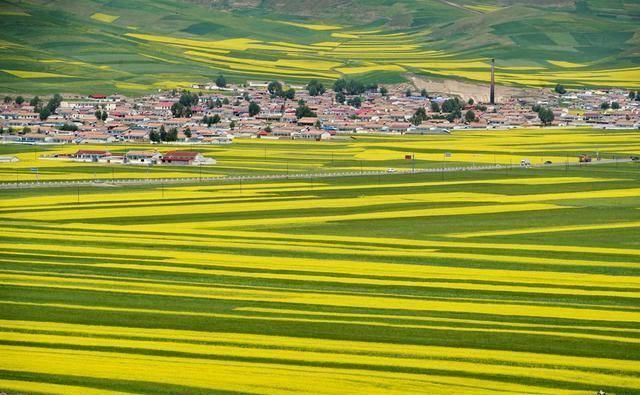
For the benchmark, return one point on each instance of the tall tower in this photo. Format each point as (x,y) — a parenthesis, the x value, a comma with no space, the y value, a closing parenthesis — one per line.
(492,92)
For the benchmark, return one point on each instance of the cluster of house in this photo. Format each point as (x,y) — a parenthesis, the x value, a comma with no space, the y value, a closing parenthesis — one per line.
(136,120)
(144,158)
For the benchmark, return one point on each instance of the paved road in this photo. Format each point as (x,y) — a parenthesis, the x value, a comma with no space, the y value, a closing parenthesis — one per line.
(210,180)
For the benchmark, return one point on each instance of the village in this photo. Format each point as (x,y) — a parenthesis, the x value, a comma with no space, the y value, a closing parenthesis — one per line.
(219,113)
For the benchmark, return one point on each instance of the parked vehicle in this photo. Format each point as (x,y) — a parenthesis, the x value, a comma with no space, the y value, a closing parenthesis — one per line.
(584,158)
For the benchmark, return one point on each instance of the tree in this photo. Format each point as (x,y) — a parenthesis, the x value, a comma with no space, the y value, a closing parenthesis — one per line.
(435,107)
(154,136)
(355,101)
(451,105)
(546,116)
(225,101)
(289,94)
(163,133)
(424,93)
(254,109)
(340,85)
(419,116)
(350,87)
(177,109)
(104,116)
(304,111)
(45,113)
(632,95)
(340,98)
(98,114)
(536,108)
(35,103)
(470,102)
(54,103)
(451,117)
(232,125)
(318,124)
(275,88)
(383,91)
(470,116)
(218,103)
(604,106)
(172,135)
(221,82)
(187,133)
(408,93)
(615,105)
(560,89)
(188,99)
(315,88)
(481,108)
(8,99)
(19,100)
(72,127)
(211,120)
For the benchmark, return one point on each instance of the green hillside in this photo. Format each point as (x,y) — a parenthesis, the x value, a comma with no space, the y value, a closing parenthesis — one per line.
(135,47)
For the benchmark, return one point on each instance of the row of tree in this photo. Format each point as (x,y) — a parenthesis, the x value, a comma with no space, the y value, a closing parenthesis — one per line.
(545,114)
(276,90)
(162,134)
(613,105)
(450,110)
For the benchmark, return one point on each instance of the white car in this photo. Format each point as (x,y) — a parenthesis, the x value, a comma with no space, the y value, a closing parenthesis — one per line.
(391,170)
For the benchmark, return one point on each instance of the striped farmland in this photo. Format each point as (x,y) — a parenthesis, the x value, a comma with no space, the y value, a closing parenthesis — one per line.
(519,283)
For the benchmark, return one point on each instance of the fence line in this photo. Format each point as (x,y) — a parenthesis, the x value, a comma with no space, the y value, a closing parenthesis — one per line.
(287,176)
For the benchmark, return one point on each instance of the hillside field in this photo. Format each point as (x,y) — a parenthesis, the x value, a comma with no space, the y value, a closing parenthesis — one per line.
(521,281)
(135,48)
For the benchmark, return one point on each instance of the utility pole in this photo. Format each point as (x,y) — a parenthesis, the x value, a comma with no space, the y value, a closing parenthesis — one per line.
(413,160)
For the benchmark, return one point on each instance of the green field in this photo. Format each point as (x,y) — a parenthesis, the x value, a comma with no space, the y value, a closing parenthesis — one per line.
(357,153)
(510,281)
(136,48)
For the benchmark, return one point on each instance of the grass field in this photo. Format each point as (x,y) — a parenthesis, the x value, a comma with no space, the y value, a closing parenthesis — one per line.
(365,152)
(60,46)
(521,281)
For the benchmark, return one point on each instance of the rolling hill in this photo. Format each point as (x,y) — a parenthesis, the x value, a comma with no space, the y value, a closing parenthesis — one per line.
(136,47)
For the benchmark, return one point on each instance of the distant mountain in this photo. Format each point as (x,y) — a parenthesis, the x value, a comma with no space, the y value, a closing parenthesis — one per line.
(138,46)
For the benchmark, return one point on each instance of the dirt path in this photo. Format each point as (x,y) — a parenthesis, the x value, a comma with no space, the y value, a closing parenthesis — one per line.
(479,92)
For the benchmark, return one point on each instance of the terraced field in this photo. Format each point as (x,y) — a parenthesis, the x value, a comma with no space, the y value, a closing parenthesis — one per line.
(365,152)
(518,282)
(61,45)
